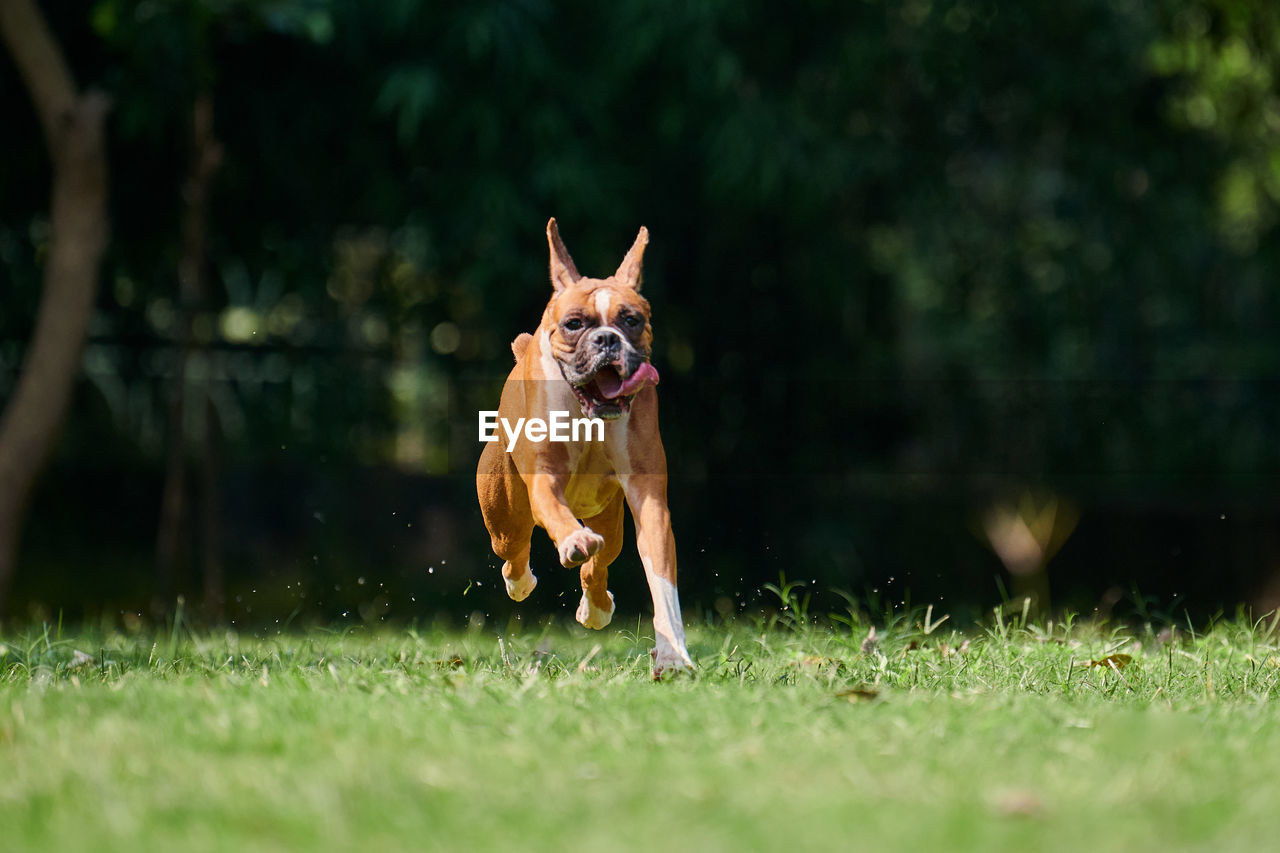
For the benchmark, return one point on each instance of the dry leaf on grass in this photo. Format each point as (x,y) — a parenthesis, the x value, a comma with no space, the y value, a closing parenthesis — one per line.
(859,694)
(1116,661)
(585,664)
(1017,803)
(813,663)
(946,651)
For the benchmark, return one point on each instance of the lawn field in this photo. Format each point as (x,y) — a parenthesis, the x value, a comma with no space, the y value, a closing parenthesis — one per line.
(1049,737)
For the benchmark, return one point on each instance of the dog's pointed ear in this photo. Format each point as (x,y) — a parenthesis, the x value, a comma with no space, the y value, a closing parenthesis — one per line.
(629,270)
(563,272)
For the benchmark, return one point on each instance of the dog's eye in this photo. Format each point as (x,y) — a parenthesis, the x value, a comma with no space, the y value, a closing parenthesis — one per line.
(631,321)
(573,324)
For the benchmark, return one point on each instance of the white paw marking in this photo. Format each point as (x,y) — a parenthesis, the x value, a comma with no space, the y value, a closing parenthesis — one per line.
(669,652)
(592,617)
(578,546)
(668,658)
(520,588)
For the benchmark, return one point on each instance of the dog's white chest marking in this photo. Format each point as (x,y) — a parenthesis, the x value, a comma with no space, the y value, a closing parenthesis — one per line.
(555,390)
(615,442)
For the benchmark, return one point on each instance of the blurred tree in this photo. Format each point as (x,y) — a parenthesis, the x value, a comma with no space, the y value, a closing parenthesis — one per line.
(189,526)
(907,257)
(1222,56)
(188,393)
(72,122)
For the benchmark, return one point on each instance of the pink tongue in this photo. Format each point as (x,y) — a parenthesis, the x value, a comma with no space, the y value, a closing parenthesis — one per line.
(612,386)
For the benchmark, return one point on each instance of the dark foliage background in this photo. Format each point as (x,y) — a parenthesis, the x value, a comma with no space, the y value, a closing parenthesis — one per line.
(919,269)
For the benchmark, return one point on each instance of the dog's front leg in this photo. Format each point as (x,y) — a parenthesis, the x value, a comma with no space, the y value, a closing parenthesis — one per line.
(574,542)
(647,497)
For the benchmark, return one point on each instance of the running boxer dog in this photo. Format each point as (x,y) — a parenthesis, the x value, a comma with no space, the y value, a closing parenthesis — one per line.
(588,357)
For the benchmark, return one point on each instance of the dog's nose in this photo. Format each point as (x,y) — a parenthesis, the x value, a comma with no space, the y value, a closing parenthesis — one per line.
(606,340)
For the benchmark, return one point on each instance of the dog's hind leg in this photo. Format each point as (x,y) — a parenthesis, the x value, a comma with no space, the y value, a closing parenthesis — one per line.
(504,503)
(596,608)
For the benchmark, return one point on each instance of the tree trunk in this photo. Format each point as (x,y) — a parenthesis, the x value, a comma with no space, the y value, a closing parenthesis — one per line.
(172,546)
(173,500)
(73,129)
(215,597)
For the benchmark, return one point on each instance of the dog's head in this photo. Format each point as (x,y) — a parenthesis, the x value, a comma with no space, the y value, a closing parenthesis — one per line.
(599,330)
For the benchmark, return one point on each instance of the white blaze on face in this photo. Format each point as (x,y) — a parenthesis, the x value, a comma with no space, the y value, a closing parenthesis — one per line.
(668,627)
(602,305)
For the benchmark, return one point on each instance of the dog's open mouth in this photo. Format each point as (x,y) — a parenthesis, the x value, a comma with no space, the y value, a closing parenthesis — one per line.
(607,394)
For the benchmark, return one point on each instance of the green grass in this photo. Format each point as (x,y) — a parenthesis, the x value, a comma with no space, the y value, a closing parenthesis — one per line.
(557,739)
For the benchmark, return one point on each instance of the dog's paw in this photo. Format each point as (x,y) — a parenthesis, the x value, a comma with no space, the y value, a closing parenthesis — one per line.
(668,658)
(593,617)
(576,548)
(519,589)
